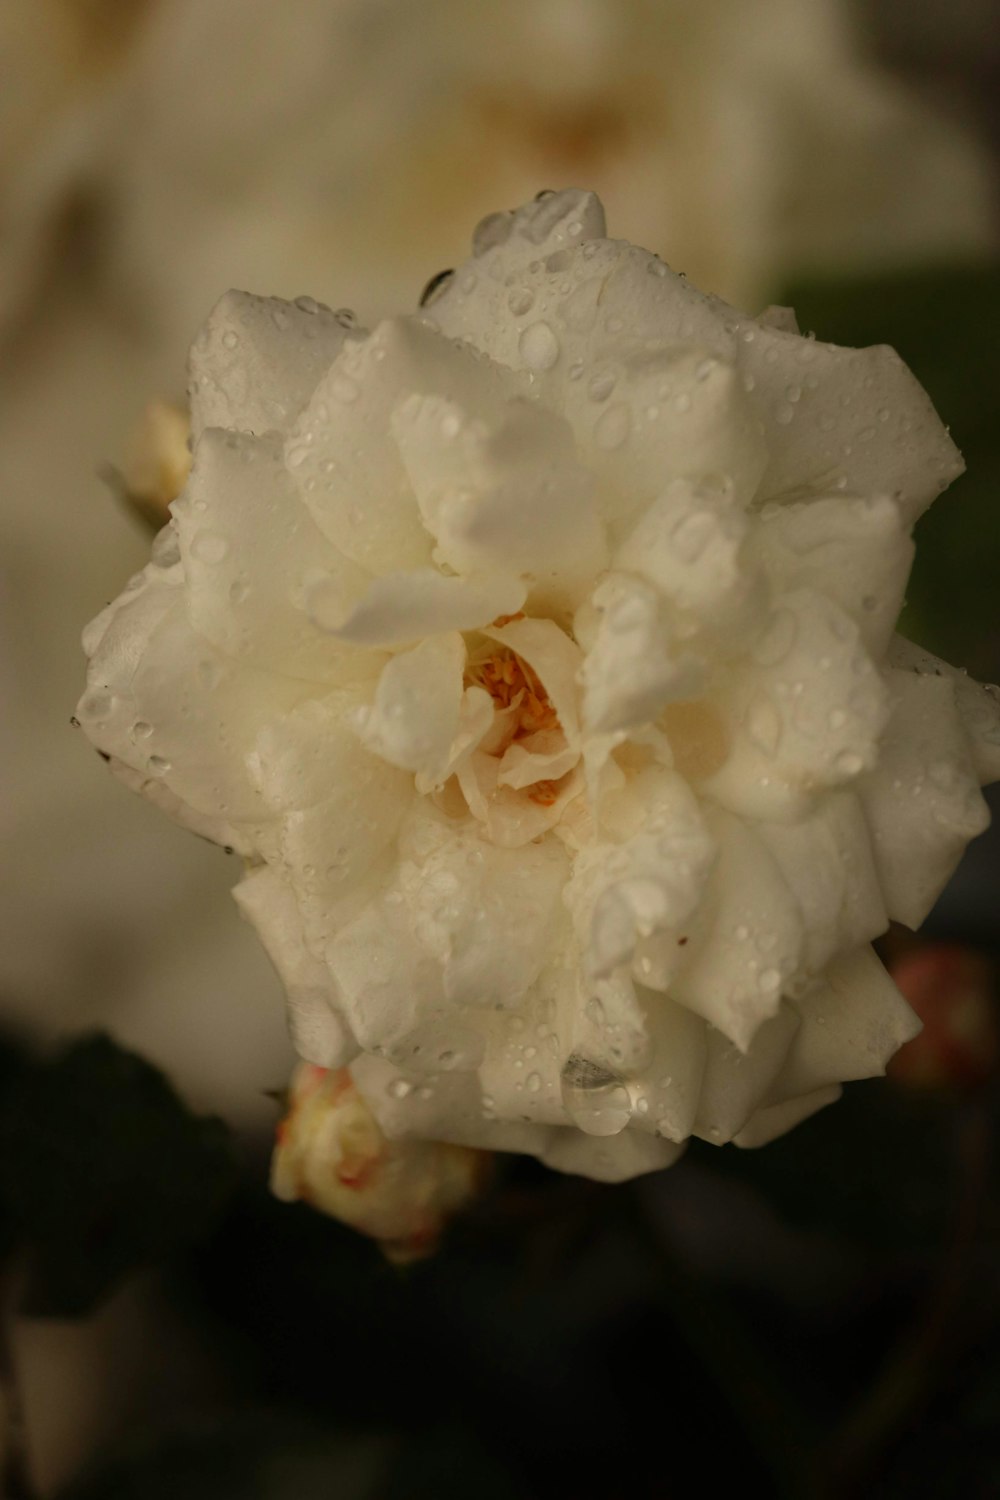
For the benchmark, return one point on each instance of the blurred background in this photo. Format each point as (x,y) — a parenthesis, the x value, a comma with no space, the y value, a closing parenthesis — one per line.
(818,1318)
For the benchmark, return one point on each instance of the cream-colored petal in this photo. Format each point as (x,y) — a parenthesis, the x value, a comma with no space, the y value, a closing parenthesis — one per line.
(854,420)
(510,497)
(806,710)
(922,799)
(853,1021)
(774,1120)
(251,555)
(978,704)
(857,552)
(403,607)
(341,450)
(609,1158)
(827,861)
(633,666)
(257,360)
(691,545)
(149,663)
(415,716)
(486,914)
(736,1083)
(736,974)
(318,1029)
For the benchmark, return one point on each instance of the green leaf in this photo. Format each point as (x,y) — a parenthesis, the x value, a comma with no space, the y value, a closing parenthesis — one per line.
(943,322)
(103,1170)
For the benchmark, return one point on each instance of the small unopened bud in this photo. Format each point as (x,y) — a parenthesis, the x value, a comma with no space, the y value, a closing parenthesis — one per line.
(332,1154)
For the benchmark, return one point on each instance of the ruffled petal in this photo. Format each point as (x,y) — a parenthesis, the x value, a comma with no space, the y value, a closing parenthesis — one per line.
(257,361)
(806,711)
(403,607)
(414,719)
(735,1083)
(857,552)
(341,452)
(922,799)
(252,555)
(149,661)
(319,1032)
(735,975)
(853,1021)
(633,667)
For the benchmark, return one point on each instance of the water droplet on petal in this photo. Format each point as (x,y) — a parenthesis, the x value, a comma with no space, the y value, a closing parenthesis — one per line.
(539,346)
(209,546)
(612,426)
(594,1098)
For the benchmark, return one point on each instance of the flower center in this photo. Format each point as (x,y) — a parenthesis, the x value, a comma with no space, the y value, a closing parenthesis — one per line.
(512,684)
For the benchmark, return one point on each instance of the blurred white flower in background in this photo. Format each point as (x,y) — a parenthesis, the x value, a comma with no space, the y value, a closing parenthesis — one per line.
(59,62)
(537,655)
(350,144)
(344,147)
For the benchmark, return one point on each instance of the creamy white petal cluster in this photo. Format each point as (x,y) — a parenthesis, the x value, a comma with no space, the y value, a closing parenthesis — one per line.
(537,653)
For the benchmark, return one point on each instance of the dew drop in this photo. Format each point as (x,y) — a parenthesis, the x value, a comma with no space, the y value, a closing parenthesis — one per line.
(521,301)
(594,1098)
(600,386)
(612,427)
(209,546)
(539,346)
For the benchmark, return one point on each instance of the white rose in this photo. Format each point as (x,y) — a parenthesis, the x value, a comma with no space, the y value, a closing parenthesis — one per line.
(331,1153)
(537,653)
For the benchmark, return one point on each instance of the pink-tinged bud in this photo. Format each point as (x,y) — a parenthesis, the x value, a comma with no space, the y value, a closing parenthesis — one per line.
(951,990)
(332,1154)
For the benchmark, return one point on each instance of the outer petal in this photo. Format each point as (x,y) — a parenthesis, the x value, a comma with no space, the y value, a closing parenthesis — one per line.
(922,799)
(828,865)
(147,661)
(257,360)
(978,704)
(853,1020)
(319,1031)
(340,450)
(609,1158)
(805,712)
(849,419)
(773,1120)
(340,809)
(736,973)
(251,553)
(735,1083)
(857,552)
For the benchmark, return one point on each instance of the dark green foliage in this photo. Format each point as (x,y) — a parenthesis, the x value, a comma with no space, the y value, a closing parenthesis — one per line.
(102,1170)
(944,324)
